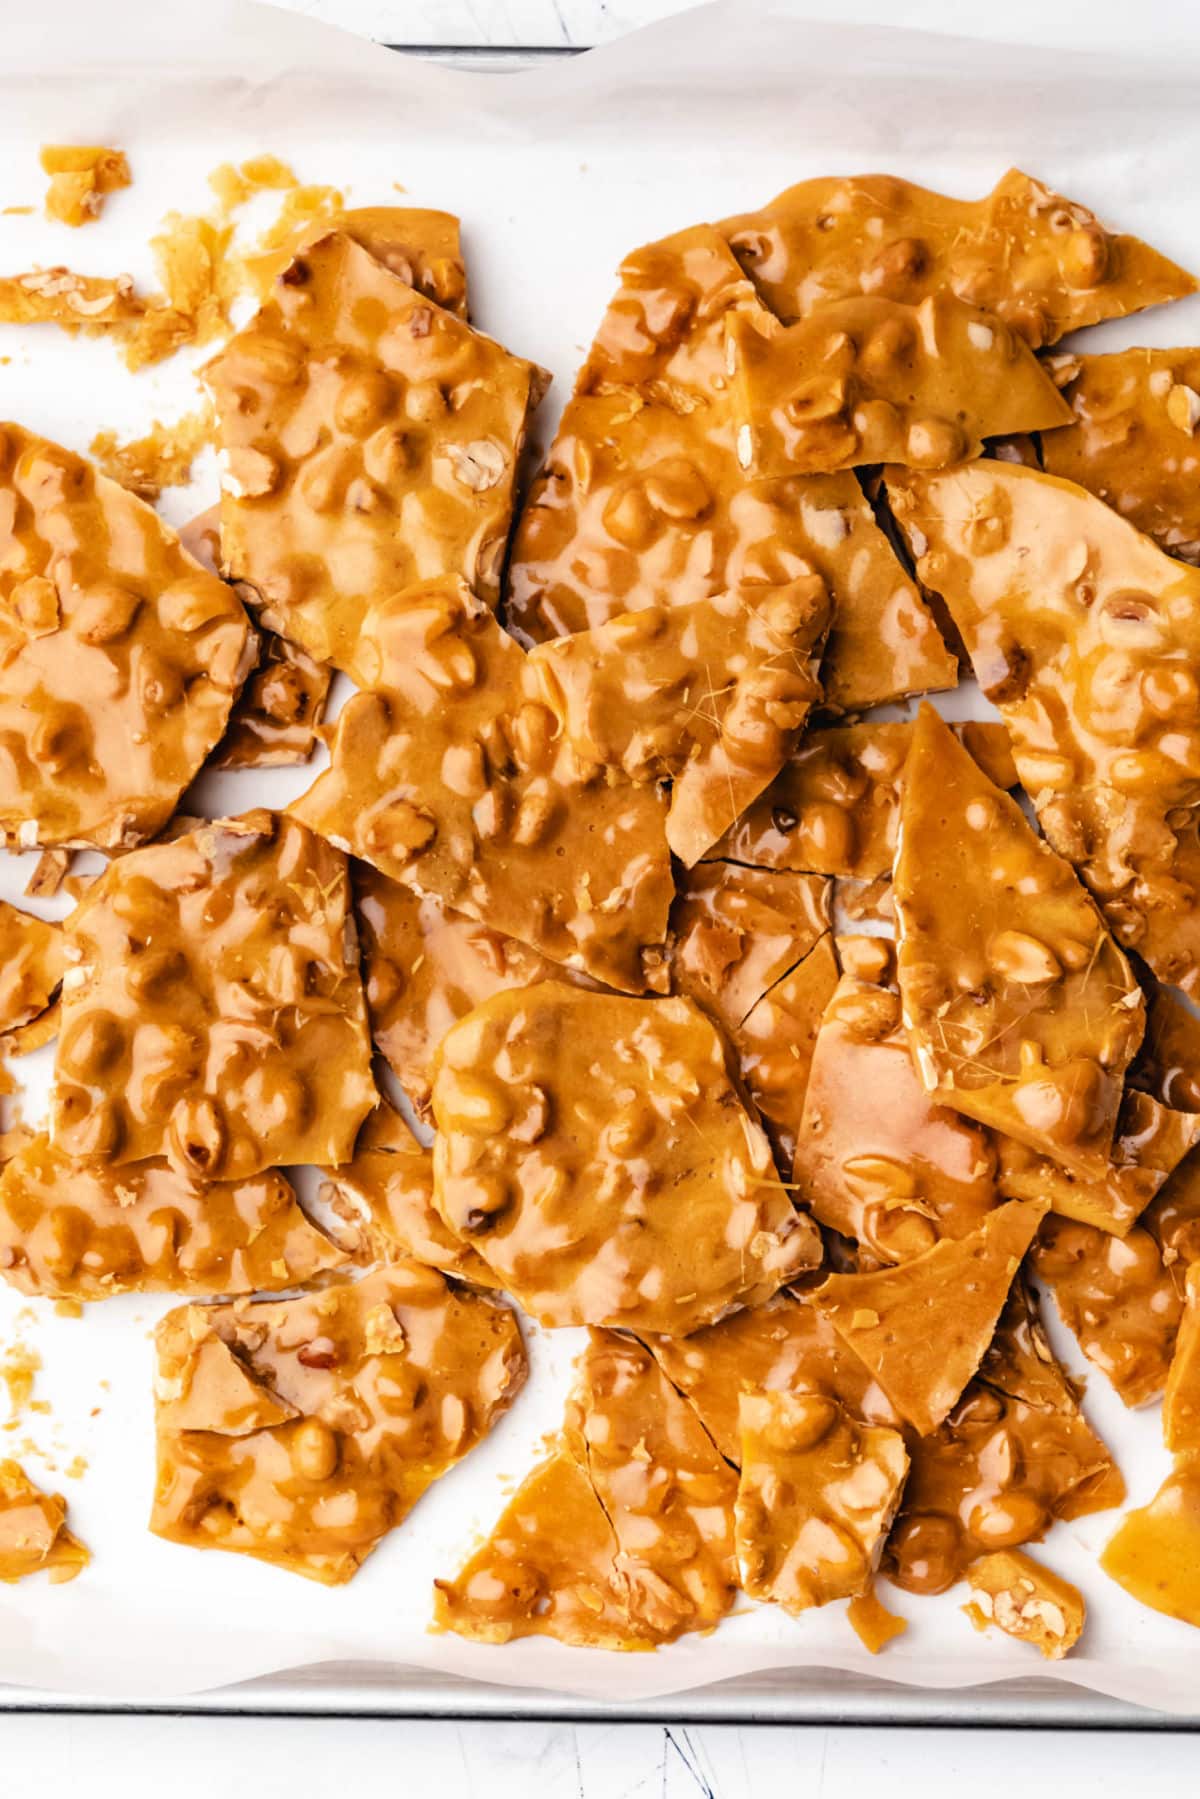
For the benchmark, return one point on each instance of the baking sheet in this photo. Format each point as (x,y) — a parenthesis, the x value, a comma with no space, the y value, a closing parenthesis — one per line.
(556,172)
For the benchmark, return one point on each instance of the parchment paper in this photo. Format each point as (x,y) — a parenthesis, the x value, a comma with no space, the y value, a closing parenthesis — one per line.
(556,172)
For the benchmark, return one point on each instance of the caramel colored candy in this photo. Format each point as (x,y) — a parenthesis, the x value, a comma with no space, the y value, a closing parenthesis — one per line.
(369,441)
(711,695)
(1041,262)
(457,780)
(775,1043)
(1181,1399)
(1015,1454)
(785,1346)
(119,656)
(33,1531)
(1133,443)
(301,1431)
(87,1230)
(876,1159)
(1168,1063)
(1118,1299)
(418,245)
(1021,1010)
(816,1498)
(81,178)
(834,807)
(1085,635)
(93,304)
(594,1151)
(1025,1601)
(31,965)
(385,1193)
(874,1626)
(873,380)
(737,931)
(1155,1553)
(212,1009)
(1173,1220)
(922,1328)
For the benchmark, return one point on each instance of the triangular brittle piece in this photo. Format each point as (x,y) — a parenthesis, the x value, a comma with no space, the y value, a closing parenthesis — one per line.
(32,960)
(33,1531)
(1040,261)
(872,380)
(737,930)
(1155,1554)
(922,1328)
(1021,1010)
(219,1392)
(1086,636)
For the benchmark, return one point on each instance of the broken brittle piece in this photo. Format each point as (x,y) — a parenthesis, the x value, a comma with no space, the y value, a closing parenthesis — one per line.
(33,1531)
(1155,1552)
(876,1158)
(87,1230)
(419,245)
(120,657)
(370,441)
(1181,1398)
(736,931)
(1118,1299)
(1021,1010)
(1043,263)
(872,1623)
(775,1042)
(1133,441)
(816,1498)
(456,778)
(1084,634)
(93,304)
(301,1431)
(1168,1063)
(213,1010)
(81,178)
(32,960)
(922,1328)
(872,380)
(595,1151)
(1025,1600)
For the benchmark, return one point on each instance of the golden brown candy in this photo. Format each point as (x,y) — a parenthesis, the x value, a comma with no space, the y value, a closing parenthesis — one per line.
(420,246)
(1181,1399)
(1041,262)
(873,380)
(385,1193)
(457,780)
(816,1498)
(1118,1299)
(87,1230)
(1155,1553)
(1021,1011)
(1133,442)
(876,1159)
(775,1042)
(213,1010)
(1168,1063)
(33,1531)
(93,304)
(1025,1600)
(301,1431)
(595,1151)
(31,965)
(119,656)
(872,1623)
(370,441)
(737,931)
(922,1328)
(81,178)
(1086,637)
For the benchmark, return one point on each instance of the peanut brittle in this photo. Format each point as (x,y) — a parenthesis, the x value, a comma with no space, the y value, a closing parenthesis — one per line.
(736,931)
(1155,1552)
(457,780)
(1015,1454)
(1151,1141)
(1084,634)
(834,807)
(595,1151)
(922,1328)
(385,1193)
(1117,1298)
(213,1010)
(816,1498)
(872,1623)
(1041,262)
(1168,1063)
(93,304)
(1021,1010)
(872,380)
(1181,1398)
(775,1043)
(121,658)
(419,245)
(87,1230)
(370,441)
(301,1431)
(81,178)
(1173,1220)
(33,1531)
(1133,442)
(876,1159)
(31,965)
(711,694)
(1025,1600)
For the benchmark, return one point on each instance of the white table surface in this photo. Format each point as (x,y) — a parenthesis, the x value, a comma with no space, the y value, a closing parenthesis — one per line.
(124,1757)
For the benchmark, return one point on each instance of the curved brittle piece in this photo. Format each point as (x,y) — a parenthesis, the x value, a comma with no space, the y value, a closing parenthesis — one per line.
(1026,1601)
(1086,636)
(736,931)
(86,1230)
(1021,1010)
(1041,262)
(370,440)
(213,1009)
(1118,1299)
(595,1151)
(33,1531)
(1155,1552)
(301,1431)
(119,656)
